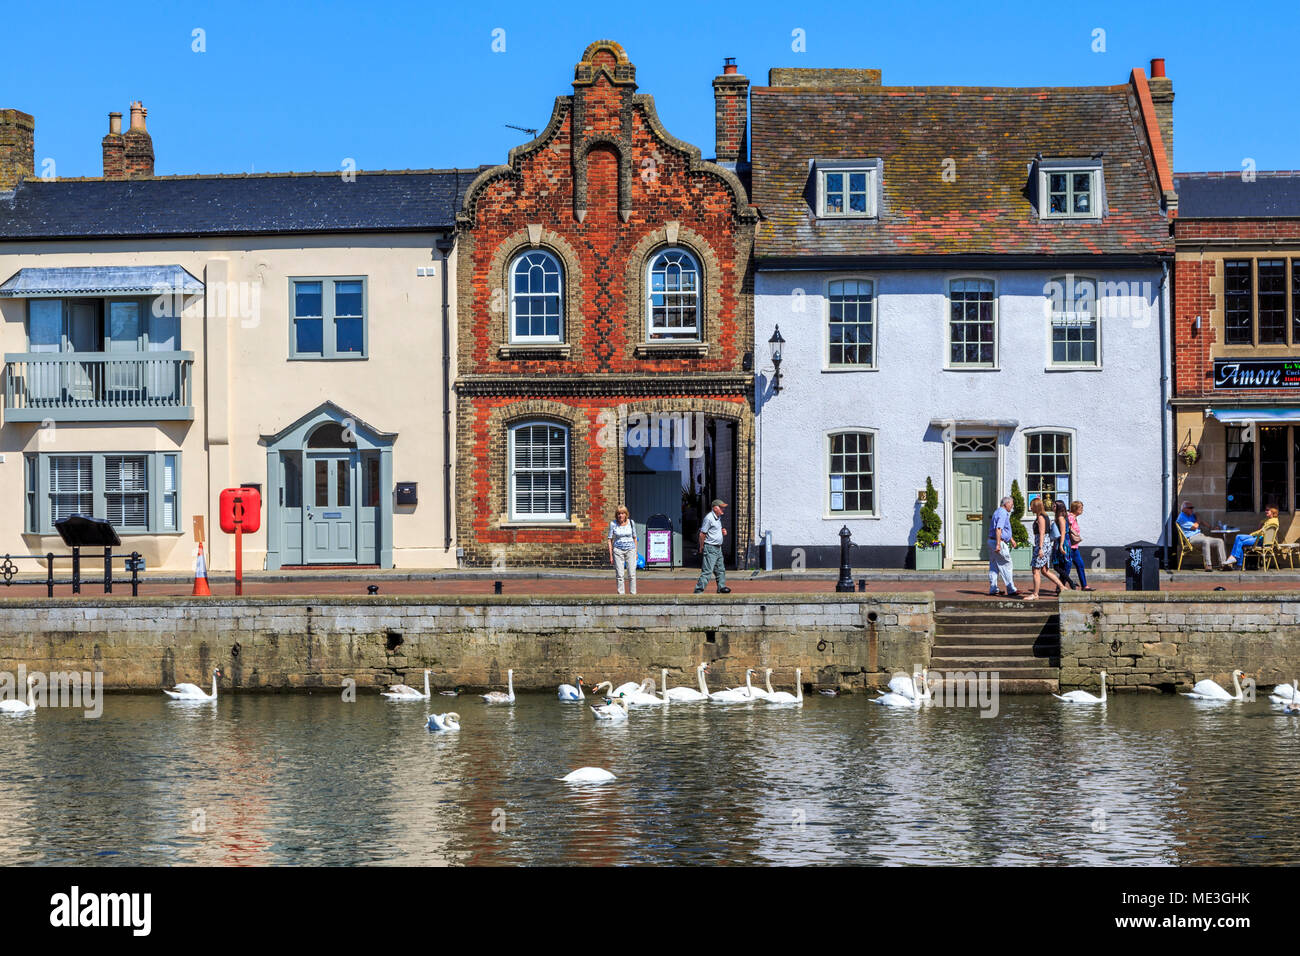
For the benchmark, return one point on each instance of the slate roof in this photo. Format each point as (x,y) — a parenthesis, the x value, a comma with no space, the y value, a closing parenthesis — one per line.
(991,134)
(1272,195)
(405,201)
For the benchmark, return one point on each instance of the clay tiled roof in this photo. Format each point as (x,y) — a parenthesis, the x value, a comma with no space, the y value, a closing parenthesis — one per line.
(992,136)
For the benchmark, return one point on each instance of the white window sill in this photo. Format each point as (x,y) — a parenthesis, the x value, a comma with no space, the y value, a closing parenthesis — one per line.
(850,516)
(1072,368)
(838,369)
(972,368)
(519,523)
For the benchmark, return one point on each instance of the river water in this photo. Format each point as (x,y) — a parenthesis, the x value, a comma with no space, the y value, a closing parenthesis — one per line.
(316,780)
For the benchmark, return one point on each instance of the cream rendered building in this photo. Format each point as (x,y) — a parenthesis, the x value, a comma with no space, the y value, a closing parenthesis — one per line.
(166,338)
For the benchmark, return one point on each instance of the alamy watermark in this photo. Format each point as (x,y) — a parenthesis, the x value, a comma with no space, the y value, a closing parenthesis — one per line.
(684,430)
(83,690)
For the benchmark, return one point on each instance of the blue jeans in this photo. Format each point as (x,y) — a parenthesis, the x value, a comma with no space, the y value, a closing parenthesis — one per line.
(1243,542)
(1077,561)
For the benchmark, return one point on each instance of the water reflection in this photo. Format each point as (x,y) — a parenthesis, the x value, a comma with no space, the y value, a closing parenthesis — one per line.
(313,779)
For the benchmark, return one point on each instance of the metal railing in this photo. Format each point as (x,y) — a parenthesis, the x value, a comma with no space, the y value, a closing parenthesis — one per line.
(8,570)
(98,385)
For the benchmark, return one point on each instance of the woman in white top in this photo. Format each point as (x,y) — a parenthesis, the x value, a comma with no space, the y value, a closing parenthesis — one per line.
(622,546)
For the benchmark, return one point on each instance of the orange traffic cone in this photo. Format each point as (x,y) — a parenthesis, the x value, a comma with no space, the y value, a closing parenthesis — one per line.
(201,588)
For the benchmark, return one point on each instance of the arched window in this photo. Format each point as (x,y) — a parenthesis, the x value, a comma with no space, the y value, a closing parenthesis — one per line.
(674,299)
(536,298)
(330,435)
(539,472)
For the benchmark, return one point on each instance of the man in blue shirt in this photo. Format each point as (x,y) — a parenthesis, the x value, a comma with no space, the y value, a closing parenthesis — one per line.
(711,532)
(1191,526)
(1000,541)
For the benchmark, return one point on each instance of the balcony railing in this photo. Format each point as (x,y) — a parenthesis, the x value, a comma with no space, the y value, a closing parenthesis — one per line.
(98,386)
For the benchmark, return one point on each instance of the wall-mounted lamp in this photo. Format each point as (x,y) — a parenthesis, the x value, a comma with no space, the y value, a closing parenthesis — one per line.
(1196,324)
(776,344)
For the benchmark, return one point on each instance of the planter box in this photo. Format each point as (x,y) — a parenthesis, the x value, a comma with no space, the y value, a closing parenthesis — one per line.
(1020,558)
(928,559)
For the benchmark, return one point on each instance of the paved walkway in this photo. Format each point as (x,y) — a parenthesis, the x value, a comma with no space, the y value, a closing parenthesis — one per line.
(945,585)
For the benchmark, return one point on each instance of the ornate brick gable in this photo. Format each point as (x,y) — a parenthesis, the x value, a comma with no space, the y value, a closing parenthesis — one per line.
(603,188)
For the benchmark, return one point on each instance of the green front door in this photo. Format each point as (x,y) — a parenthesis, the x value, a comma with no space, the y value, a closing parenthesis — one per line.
(974,498)
(330,525)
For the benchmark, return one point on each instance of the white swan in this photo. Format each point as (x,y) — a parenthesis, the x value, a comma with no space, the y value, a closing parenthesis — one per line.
(902,684)
(749,690)
(193,691)
(784,697)
(893,699)
(569,692)
(613,709)
(589,775)
(1283,694)
(1083,697)
(1209,690)
(496,697)
(687,694)
(625,688)
(644,695)
(1293,706)
(447,721)
(406,692)
(13,706)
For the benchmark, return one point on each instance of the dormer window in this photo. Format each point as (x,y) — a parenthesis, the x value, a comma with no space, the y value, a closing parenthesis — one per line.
(847,189)
(1070,190)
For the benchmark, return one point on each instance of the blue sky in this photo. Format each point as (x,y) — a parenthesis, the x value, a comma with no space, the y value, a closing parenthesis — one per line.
(286,86)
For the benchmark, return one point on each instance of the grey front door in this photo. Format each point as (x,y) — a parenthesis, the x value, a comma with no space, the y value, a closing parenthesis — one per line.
(329,500)
(974,491)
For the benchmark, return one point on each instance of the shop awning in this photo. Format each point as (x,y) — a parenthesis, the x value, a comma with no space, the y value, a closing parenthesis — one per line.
(100,280)
(1236,416)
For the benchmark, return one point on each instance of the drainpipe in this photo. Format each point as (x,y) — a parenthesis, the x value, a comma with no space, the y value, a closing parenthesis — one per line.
(444,245)
(1166,462)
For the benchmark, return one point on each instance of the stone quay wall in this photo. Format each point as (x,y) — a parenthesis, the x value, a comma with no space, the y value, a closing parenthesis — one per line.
(288,644)
(1169,640)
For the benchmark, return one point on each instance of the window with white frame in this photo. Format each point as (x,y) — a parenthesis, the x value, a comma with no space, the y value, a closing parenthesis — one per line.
(1049,466)
(972,323)
(852,473)
(329,318)
(674,300)
(536,298)
(539,472)
(1075,322)
(1070,191)
(851,324)
(138,493)
(847,190)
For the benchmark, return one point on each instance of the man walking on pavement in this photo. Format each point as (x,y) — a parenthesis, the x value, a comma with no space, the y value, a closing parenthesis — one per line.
(711,532)
(1000,542)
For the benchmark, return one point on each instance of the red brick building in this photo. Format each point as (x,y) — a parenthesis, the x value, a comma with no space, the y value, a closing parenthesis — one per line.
(605,324)
(1237,346)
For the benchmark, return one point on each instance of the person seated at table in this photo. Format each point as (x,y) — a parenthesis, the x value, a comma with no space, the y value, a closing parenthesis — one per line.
(1245,541)
(1191,526)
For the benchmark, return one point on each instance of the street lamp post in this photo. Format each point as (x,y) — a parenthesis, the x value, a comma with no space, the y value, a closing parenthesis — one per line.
(776,344)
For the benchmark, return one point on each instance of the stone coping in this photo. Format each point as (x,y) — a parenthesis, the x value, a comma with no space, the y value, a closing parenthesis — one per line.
(473,600)
(1178,597)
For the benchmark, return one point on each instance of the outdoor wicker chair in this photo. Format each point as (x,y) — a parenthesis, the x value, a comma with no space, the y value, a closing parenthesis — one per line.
(1264,552)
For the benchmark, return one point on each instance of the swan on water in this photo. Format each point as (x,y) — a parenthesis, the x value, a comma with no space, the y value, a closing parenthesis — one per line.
(725,696)
(749,690)
(687,694)
(1209,690)
(406,692)
(1083,697)
(12,706)
(569,692)
(589,775)
(1283,694)
(1292,706)
(193,691)
(614,708)
(623,689)
(447,721)
(496,697)
(893,699)
(781,696)
(644,695)
(902,684)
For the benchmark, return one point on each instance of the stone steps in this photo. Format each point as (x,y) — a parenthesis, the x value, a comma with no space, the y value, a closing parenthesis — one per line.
(1022,645)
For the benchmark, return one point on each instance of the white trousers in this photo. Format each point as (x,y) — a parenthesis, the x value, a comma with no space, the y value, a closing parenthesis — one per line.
(625,560)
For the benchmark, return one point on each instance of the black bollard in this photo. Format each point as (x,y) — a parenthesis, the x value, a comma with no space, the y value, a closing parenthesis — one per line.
(108,570)
(76,570)
(845,583)
(862,585)
(49,576)
(496,587)
(372,589)
(135,574)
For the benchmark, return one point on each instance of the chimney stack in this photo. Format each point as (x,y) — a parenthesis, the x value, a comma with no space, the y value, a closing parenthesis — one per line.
(114,149)
(128,155)
(17,147)
(1162,98)
(731,115)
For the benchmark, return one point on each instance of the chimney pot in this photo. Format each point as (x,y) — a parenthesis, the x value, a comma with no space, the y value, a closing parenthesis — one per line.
(729,65)
(1158,66)
(114,123)
(138,113)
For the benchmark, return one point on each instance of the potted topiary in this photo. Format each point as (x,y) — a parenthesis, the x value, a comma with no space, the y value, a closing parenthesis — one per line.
(929,550)
(1021,552)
